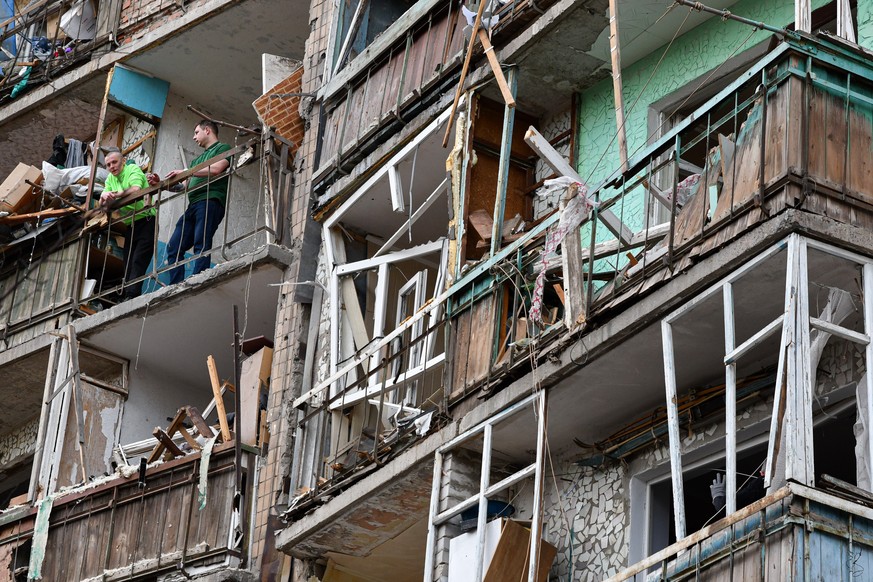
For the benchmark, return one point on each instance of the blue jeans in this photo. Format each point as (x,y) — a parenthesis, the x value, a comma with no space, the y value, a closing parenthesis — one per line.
(194,229)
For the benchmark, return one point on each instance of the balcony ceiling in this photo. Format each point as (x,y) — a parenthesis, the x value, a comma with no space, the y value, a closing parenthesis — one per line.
(216,65)
(176,332)
(575,52)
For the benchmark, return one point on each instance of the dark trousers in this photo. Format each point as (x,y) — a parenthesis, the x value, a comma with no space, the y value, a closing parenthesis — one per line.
(194,230)
(139,246)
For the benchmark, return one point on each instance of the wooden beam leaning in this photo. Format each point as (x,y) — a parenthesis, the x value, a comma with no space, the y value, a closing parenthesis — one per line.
(556,161)
(219,401)
(77,396)
(571,261)
(615,54)
(495,67)
(466,66)
(166,444)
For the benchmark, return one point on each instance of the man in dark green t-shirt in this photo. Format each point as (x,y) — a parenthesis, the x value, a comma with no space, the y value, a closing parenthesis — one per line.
(139,216)
(206,197)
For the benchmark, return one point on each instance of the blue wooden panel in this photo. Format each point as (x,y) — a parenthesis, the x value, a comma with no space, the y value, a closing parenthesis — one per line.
(139,92)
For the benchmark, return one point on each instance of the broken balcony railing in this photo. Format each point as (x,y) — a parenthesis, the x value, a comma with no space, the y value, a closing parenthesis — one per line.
(751,151)
(41,41)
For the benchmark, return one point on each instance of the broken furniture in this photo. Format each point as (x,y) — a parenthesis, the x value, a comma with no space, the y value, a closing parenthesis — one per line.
(166,447)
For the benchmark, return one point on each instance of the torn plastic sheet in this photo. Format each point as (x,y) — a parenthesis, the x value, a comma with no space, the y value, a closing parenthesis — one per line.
(422,424)
(205,455)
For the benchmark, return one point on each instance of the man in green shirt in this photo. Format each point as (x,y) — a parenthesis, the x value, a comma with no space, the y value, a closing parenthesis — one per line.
(139,239)
(206,197)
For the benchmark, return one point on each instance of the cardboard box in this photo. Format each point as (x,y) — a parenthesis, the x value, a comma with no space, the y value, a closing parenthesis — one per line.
(16,195)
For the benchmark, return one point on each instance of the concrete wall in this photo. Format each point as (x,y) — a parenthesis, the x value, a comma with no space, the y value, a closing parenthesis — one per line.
(586,518)
(692,55)
(246,196)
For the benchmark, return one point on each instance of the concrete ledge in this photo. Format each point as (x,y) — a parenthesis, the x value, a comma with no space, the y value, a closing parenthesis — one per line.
(267,255)
(372,511)
(670,295)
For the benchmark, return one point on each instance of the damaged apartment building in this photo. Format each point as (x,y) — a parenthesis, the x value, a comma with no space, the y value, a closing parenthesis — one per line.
(593,296)
(509,290)
(134,439)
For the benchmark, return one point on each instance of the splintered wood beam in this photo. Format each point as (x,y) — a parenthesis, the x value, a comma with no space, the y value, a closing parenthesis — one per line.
(495,67)
(615,53)
(219,401)
(166,444)
(198,422)
(464,69)
(571,260)
(556,161)
(77,396)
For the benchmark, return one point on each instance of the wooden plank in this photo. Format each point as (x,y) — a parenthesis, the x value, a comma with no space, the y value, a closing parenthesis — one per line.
(254,377)
(571,261)
(741,180)
(510,559)
(464,69)
(199,422)
(557,162)
(219,400)
(167,442)
(615,57)
(508,99)
(414,66)
(860,151)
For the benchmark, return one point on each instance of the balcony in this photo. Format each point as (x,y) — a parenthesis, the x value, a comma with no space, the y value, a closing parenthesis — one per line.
(782,148)
(169,519)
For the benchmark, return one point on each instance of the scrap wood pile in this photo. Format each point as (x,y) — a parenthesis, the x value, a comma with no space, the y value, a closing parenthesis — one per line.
(189,432)
(31,197)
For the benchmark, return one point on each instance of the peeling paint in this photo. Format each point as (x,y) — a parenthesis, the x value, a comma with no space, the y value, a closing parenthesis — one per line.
(40,537)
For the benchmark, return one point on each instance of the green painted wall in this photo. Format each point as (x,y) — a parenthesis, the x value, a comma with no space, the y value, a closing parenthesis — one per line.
(693,54)
(865,23)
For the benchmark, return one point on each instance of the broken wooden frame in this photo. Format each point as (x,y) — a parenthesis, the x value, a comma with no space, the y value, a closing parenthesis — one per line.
(438,517)
(63,456)
(790,435)
(380,260)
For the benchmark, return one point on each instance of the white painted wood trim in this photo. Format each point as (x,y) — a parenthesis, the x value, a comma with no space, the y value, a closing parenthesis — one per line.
(381,172)
(389,244)
(753,341)
(673,430)
(839,331)
(394,257)
(730,409)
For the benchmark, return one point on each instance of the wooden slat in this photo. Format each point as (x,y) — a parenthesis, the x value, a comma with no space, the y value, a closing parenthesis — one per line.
(167,442)
(219,400)
(557,162)
(198,422)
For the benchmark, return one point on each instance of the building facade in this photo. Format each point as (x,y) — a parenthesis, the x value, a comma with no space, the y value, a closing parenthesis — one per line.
(475,318)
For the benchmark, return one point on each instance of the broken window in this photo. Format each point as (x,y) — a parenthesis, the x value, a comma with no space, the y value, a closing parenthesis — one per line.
(821,305)
(359,22)
(388,249)
(485,517)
